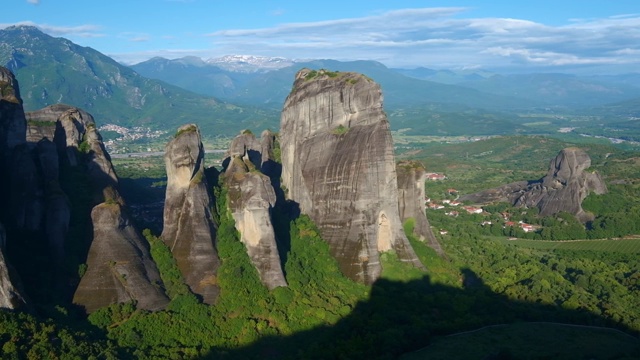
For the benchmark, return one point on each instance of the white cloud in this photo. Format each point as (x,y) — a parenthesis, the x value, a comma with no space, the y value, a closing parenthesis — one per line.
(430,37)
(439,37)
(277,12)
(34,2)
(135,37)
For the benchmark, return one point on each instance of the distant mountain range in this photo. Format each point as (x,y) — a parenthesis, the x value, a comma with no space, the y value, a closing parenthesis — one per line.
(55,70)
(269,84)
(270,88)
(227,94)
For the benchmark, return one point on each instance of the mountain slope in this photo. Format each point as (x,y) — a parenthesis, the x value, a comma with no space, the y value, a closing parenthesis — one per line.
(55,70)
(194,74)
(555,90)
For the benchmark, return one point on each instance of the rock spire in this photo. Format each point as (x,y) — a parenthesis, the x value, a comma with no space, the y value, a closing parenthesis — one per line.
(188,226)
(251,200)
(411,201)
(338,165)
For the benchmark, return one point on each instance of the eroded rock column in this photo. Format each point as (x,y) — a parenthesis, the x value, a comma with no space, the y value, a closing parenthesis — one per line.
(188,227)
(338,164)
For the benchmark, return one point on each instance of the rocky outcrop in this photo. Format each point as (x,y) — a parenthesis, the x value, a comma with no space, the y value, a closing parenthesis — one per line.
(12,136)
(251,200)
(66,130)
(13,125)
(411,204)
(270,163)
(10,296)
(119,266)
(259,152)
(188,227)
(564,187)
(338,165)
(246,145)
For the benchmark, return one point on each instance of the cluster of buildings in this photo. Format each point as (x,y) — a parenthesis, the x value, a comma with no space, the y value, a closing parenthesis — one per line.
(435,176)
(476,210)
(450,204)
(128,134)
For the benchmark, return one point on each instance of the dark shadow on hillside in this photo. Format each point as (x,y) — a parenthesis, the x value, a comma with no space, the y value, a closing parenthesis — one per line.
(402,317)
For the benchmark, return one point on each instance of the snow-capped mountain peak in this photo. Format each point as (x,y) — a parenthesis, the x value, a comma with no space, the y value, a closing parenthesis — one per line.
(250,63)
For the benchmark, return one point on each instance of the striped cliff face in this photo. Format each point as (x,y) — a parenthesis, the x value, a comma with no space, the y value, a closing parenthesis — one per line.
(338,164)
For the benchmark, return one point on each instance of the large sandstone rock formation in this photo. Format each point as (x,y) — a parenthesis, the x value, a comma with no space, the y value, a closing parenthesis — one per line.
(119,265)
(411,204)
(251,199)
(36,148)
(188,226)
(13,124)
(338,164)
(10,296)
(12,135)
(564,187)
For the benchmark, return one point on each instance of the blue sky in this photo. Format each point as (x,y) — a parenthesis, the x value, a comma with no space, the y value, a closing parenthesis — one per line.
(588,35)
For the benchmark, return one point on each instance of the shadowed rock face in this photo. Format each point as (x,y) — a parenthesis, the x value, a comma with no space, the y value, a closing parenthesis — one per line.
(13,125)
(54,130)
(269,166)
(338,164)
(10,296)
(119,266)
(411,204)
(251,198)
(246,145)
(259,152)
(38,204)
(12,135)
(563,188)
(188,228)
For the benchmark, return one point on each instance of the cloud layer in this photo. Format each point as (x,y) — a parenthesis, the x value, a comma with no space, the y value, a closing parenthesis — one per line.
(437,37)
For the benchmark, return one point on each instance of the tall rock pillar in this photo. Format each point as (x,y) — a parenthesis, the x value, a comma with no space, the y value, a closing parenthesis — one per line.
(251,199)
(338,164)
(188,226)
(411,201)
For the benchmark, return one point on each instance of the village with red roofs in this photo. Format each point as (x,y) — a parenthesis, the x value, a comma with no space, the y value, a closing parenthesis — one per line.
(451,208)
